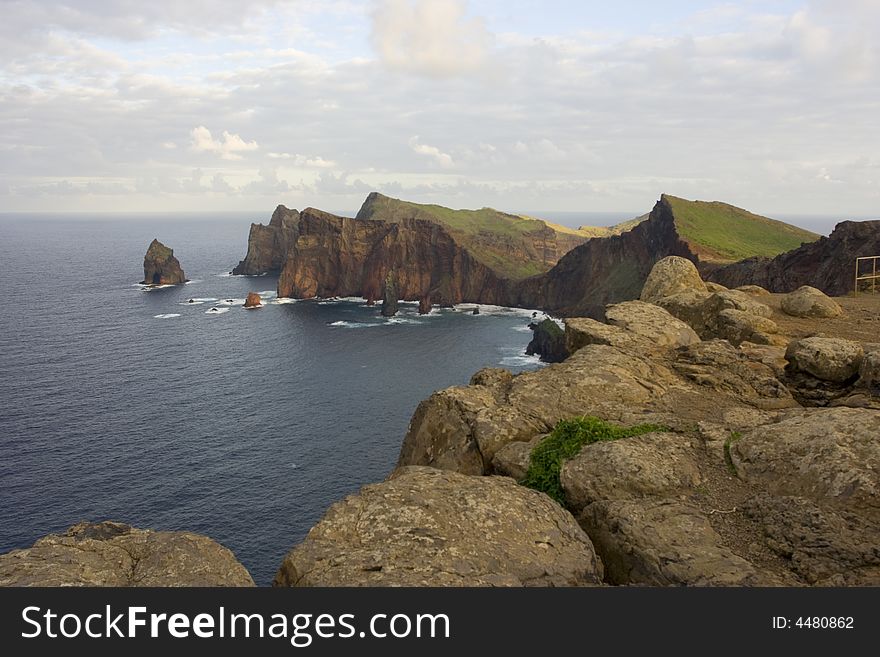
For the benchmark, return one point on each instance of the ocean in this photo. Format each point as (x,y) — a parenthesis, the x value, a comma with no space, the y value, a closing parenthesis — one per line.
(140,407)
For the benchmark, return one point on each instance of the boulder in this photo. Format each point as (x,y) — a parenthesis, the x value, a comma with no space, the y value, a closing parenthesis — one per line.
(651,322)
(548,342)
(737,326)
(718,366)
(161,267)
(715,287)
(670,276)
(824,546)
(654,464)
(807,301)
(113,554)
(513,459)
(827,359)
(688,307)
(663,543)
(826,455)
(583,331)
(426,527)
(253,300)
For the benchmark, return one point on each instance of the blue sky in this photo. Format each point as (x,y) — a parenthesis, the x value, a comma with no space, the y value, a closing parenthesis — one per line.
(562,106)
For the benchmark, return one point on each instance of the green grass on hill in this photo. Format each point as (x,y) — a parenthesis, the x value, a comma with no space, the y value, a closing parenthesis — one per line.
(490,235)
(724,233)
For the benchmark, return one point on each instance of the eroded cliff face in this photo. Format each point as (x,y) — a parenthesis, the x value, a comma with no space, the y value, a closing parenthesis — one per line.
(268,245)
(605,270)
(827,264)
(339,256)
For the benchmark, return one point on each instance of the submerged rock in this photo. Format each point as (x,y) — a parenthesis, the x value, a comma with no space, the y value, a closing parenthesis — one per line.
(426,527)
(113,554)
(161,267)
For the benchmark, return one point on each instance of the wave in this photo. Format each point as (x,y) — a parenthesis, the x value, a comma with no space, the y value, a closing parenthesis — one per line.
(167,316)
(283,300)
(522,361)
(346,324)
(401,320)
(216,311)
(230,302)
(521,329)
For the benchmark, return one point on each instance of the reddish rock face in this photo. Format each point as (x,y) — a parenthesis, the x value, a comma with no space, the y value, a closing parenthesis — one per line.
(161,267)
(605,270)
(268,245)
(827,264)
(253,300)
(337,256)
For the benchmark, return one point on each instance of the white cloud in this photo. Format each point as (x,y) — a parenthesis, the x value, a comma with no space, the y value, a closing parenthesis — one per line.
(439,157)
(303,161)
(228,148)
(432,37)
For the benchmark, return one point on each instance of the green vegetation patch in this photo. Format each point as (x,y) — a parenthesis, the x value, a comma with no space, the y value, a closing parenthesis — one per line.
(565,442)
(724,233)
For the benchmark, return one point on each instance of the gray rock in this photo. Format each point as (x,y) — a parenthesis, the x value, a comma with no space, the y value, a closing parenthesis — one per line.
(869,373)
(652,323)
(582,331)
(822,454)
(825,547)
(670,276)
(807,301)
(663,543)
(715,287)
(827,359)
(427,527)
(630,468)
(738,326)
(513,459)
(113,554)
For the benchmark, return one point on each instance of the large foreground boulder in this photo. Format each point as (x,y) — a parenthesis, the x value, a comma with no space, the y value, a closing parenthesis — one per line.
(827,359)
(113,554)
(426,527)
(652,323)
(670,276)
(807,301)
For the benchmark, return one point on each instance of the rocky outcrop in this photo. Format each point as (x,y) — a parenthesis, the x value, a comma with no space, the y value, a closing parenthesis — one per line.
(161,267)
(336,256)
(827,264)
(548,341)
(425,527)
(268,245)
(253,300)
(827,359)
(389,296)
(113,554)
(807,301)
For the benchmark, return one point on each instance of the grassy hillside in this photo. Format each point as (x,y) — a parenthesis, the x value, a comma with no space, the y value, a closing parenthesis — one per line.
(719,232)
(510,244)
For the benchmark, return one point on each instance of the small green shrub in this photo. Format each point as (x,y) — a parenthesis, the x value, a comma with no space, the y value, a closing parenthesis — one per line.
(728,459)
(565,442)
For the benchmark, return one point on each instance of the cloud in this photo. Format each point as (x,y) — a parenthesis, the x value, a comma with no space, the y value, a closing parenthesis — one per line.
(303,161)
(228,148)
(443,159)
(430,37)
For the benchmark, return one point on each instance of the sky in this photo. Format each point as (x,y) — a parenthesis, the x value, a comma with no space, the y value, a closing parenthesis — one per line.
(125,105)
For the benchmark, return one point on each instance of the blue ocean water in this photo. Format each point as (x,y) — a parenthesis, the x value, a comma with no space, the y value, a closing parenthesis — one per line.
(135,406)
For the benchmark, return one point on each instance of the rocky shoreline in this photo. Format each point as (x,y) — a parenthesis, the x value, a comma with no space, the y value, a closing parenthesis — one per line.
(757,464)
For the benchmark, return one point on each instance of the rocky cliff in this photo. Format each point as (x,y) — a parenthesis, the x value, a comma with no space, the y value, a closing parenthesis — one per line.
(268,245)
(161,267)
(339,256)
(827,264)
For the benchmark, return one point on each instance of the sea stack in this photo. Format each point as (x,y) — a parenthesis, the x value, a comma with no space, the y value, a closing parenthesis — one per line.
(389,296)
(424,305)
(253,300)
(161,267)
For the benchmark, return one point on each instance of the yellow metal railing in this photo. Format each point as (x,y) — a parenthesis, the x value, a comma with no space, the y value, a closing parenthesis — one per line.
(873,276)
